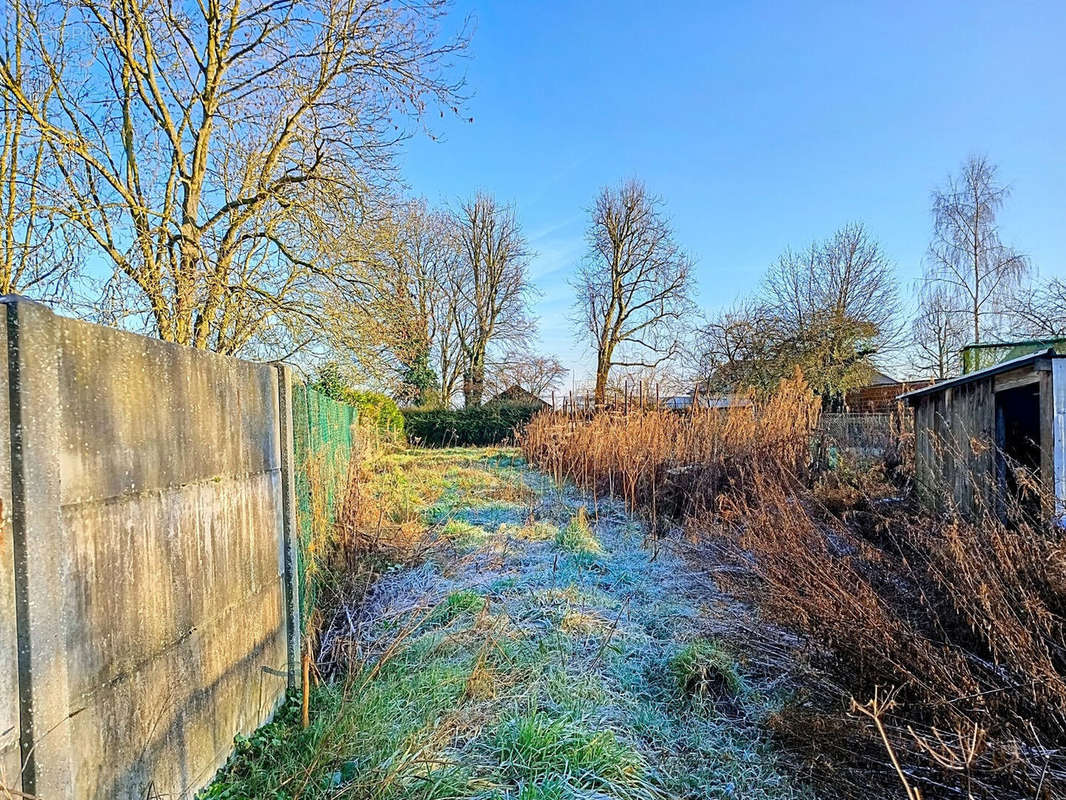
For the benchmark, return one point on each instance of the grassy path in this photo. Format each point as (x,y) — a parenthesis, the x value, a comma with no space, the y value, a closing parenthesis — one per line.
(540,651)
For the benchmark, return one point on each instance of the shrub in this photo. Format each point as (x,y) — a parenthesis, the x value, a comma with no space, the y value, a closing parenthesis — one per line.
(485,425)
(379,412)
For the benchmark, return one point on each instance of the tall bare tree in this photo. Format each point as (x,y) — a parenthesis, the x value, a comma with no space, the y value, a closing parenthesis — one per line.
(492,288)
(634,287)
(939,333)
(739,347)
(419,304)
(209,150)
(1038,311)
(966,255)
(536,374)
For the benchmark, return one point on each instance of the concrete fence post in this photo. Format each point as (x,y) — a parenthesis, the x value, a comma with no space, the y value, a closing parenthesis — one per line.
(290,525)
(42,563)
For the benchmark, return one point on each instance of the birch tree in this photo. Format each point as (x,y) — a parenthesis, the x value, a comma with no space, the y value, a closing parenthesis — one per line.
(966,255)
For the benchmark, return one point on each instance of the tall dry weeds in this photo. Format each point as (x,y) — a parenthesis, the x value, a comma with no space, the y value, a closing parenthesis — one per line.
(963,619)
(674,464)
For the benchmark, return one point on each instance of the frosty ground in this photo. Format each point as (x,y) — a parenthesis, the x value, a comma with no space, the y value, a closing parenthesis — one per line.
(541,646)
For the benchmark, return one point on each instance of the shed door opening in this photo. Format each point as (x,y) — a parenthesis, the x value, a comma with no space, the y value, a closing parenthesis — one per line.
(1018,439)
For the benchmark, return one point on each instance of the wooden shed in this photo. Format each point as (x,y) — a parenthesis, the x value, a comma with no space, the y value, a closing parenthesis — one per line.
(976,434)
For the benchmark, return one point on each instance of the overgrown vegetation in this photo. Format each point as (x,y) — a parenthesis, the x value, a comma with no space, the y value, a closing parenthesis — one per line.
(944,637)
(377,412)
(510,644)
(476,426)
(672,463)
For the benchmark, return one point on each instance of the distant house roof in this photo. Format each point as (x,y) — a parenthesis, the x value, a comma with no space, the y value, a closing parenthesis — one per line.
(881,379)
(682,401)
(516,394)
(678,401)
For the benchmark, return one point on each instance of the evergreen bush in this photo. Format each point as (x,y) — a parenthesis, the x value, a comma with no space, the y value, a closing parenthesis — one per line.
(490,424)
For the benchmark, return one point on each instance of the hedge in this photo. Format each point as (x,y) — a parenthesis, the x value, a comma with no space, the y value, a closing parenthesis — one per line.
(476,427)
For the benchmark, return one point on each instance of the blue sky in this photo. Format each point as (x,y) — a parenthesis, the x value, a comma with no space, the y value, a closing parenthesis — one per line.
(762,125)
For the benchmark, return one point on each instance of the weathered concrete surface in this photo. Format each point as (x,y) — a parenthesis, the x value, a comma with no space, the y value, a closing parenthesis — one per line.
(171,502)
(170,612)
(41,556)
(10,755)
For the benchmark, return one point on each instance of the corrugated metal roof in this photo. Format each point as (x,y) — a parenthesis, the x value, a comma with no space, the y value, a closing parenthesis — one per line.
(970,377)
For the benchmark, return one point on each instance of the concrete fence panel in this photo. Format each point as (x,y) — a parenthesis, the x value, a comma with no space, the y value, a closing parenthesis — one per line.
(150,507)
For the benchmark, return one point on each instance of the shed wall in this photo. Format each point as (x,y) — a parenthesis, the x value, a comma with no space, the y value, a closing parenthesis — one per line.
(954,445)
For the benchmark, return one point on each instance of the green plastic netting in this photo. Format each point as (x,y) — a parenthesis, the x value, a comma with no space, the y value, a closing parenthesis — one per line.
(323,435)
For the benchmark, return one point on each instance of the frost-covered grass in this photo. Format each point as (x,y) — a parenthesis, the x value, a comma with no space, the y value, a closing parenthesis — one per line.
(539,652)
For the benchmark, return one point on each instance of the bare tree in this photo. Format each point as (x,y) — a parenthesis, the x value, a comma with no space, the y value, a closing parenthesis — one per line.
(536,374)
(418,305)
(831,309)
(846,277)
(737,348)
(966,255)
(634,287)
(939,333)
(211,152)
(36,258)
(492,288)
(1039,310)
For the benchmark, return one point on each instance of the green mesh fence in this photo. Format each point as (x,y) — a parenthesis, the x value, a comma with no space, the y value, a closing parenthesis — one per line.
(323,435)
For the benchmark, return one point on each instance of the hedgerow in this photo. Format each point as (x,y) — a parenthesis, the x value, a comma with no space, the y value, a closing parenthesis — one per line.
(458,427)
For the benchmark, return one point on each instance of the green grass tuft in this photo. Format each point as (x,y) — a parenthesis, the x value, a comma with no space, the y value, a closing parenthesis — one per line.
(705,668)
(555,754)
(577,537)
(464,601)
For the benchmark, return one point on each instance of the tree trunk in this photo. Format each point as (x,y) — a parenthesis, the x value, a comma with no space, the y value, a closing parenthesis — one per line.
(474,381)
(603,368)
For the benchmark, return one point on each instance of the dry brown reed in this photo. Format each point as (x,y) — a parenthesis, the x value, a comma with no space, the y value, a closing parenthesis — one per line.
(673,463)
(961,618)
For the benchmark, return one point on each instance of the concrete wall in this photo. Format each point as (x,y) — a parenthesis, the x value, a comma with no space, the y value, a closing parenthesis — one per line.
(157,617)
